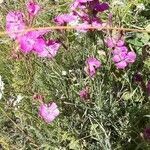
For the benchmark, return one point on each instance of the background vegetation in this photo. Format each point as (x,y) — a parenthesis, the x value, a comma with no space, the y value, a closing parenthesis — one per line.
(119,109)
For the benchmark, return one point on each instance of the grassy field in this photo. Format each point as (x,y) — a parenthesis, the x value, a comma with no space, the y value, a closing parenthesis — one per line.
(114,115)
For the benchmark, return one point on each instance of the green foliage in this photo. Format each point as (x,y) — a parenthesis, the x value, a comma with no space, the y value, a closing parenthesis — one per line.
(118,109)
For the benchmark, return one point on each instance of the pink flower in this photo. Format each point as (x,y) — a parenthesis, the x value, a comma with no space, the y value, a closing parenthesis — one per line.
(14,17)
(122,57)
(84,94)
(28,40)
(14,24)
(83,27)
(48,112)
(63,19)
(33,8)
(113,42)
(121,64)
(92,64)
(46,49)
(131,56)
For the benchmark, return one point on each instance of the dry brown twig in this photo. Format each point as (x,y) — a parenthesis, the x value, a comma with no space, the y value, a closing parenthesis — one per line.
(77,27)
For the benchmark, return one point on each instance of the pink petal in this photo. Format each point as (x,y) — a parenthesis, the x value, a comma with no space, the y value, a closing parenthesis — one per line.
(121,65)
(131,57)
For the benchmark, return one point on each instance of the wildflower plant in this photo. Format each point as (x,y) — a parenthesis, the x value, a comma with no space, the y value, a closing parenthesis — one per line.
(86,88)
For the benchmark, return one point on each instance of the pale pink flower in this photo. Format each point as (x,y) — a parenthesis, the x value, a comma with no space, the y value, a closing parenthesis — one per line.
(15,17)
(48,112)
(14,24)
(64,19)
(131,57)
(122,57)
(92,64)
(113,42)
(46,49)
(83,27)
(121,64)
(33,8)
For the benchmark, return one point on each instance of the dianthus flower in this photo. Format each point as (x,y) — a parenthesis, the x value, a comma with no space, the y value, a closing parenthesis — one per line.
(64,19)
(87,10)
(14,24)
(28,40)
(113,42)
(47,49)
(92,64)
(122,57)
(48,112)
(33,8)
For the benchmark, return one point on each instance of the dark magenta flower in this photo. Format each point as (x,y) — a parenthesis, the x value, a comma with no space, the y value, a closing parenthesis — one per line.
(137,77)
(100,7)
(146,133)
(92,64)
(84,94)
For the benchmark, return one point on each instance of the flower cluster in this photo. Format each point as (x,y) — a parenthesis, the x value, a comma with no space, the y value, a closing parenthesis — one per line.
(121,56)
(34,41)
(83,13)
(31,41)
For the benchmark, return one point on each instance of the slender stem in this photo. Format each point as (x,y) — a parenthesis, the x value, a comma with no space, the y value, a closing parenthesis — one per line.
(75,27)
